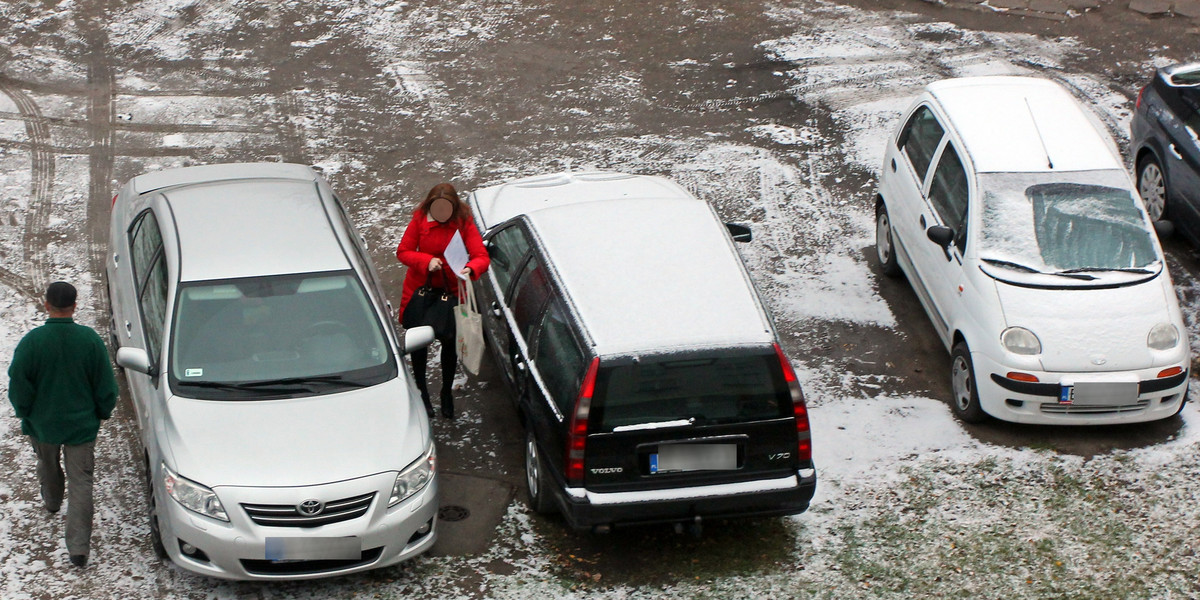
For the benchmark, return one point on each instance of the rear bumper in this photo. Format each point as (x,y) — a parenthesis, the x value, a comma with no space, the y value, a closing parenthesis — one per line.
(587,510)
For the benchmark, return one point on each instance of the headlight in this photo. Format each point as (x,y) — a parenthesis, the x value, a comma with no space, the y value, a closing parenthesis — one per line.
(193,496)
(414,477)
(1163,336)
(1019,340)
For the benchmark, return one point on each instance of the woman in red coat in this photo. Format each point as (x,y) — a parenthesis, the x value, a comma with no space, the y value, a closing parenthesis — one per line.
(422,249)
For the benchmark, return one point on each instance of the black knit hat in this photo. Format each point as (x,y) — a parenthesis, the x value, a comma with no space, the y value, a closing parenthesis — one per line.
(61,294)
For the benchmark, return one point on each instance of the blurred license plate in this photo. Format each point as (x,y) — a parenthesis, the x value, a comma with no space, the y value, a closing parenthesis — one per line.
(694,457)
(298,548)
(1099,393)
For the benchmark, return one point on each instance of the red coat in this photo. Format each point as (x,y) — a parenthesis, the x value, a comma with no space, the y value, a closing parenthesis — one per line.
(424,240)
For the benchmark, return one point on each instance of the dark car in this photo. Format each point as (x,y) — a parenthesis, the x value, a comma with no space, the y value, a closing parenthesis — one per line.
(1165,129)
(646,371)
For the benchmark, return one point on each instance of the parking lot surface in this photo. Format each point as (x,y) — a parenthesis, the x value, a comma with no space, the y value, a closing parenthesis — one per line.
(774,112)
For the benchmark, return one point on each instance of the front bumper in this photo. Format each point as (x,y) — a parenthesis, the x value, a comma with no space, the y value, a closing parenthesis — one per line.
(238,549)
(1023,402)
(587,510)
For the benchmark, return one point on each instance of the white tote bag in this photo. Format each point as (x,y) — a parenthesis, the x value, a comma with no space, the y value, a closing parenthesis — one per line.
(468,326)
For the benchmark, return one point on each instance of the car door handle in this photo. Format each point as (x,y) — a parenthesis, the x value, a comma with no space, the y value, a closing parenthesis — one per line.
(128,329)
(495,309)
(893,165)
(519,365)
(1175,152)
(922,221)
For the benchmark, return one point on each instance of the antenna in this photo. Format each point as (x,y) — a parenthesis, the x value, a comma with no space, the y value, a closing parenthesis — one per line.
(1045,150)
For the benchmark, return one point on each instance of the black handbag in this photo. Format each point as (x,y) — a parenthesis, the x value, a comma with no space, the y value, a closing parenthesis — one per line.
(433,307)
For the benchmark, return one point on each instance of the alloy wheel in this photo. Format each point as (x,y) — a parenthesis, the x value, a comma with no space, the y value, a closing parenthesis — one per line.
(960,375)
(883,238)
(1153,190)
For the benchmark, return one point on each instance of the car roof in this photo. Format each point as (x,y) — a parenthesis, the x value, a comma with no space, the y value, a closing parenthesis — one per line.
(647,266)
(252,227)
(1023,124)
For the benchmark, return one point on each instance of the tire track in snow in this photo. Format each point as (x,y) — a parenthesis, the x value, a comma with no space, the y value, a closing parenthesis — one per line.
(37,216)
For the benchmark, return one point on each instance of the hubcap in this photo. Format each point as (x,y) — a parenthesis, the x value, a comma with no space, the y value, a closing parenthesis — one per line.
(1152,190)
(960,374)
(531,467)
(883,238)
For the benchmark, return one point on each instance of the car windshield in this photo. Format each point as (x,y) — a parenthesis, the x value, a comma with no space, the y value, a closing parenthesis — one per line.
(276,336)
(697,390)
(1049,223)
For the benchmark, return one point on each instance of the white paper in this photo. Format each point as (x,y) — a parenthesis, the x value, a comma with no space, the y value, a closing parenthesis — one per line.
(456,255)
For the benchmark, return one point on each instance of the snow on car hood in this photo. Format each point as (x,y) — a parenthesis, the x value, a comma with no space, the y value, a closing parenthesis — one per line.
(296,441)
(1080,327)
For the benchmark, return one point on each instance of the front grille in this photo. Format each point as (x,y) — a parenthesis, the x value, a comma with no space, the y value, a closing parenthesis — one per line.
(308,567)
(1086,409)
(286,515)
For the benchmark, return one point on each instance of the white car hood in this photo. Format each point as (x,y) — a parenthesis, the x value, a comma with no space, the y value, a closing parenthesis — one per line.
(296,441)
(1079,328)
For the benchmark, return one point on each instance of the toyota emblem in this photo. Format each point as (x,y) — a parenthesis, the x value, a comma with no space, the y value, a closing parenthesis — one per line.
(310,508)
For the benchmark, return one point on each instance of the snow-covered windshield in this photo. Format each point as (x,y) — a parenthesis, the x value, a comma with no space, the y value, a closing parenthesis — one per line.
(1055,223)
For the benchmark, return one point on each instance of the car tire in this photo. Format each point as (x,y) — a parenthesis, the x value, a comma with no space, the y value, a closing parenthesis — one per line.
(1152,187)
(537,481)
(885,245)
(964,395)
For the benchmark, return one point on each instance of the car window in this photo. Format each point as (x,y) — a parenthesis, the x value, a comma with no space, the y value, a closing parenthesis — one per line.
(1051,222)
(948,193)
(508,247)
(919,140)
(145,240)
(558,357)
(705,388)
(256,329)
(532,291)
(153,302)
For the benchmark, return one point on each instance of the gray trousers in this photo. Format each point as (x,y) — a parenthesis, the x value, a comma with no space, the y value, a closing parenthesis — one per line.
(79,460)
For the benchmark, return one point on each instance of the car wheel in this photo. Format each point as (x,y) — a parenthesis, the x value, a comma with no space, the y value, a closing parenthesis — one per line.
(885,247)
(536,478)
(1152,186)
(965,401)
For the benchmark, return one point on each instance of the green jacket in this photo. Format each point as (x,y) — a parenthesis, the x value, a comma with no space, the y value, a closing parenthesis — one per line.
(61,384)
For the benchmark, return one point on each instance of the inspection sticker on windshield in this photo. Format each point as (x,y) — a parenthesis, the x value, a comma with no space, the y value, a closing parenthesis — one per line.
(193,373)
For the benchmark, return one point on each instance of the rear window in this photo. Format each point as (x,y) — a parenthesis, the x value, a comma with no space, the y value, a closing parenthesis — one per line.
(706,390)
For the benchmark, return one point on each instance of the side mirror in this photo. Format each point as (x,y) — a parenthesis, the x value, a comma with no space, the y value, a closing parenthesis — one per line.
(415,338)
(136,359)
(940,235)
(739,233)
(1164,228)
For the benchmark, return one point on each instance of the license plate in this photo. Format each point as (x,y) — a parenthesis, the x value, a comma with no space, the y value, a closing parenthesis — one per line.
(694,457)
(313,548)
(1099,393)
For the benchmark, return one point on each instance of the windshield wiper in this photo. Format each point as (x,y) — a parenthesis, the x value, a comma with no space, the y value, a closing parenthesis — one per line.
(1008,263)
(220,385)
(338,379)
(1135,270)
(1028,269)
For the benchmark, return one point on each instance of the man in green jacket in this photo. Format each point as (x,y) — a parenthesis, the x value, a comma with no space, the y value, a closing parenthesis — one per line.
(61,386)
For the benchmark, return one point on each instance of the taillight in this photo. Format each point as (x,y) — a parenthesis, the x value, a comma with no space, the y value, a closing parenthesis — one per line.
(114,202)
(1141,92)
(799,409)
(577,433)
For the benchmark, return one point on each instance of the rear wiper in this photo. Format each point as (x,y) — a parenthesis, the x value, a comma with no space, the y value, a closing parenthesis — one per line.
(1104,269)
(657,425)
(338,379)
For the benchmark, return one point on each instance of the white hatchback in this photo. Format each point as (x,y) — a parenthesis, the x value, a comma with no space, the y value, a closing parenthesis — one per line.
(1012,215)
